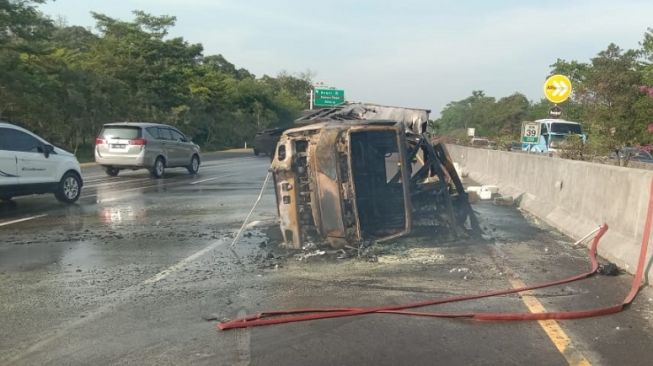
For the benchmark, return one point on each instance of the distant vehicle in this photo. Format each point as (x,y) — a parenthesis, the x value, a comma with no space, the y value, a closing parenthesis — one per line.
(266,140)
(480,142)
(633,154)
(31,165)
(516,146)
(140,145)
(553,132)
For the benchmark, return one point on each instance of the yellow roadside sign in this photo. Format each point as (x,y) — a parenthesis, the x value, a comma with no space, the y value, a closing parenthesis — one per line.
(557,88)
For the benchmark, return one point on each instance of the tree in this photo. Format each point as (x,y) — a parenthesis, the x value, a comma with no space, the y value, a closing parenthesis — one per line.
(64,82)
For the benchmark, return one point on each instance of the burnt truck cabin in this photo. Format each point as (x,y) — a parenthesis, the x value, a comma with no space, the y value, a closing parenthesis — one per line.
(333,181)
(349,181)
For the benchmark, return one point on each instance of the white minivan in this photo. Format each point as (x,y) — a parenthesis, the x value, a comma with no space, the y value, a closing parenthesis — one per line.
(31,165)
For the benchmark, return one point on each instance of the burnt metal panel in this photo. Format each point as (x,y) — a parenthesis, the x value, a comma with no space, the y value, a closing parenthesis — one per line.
(316,183)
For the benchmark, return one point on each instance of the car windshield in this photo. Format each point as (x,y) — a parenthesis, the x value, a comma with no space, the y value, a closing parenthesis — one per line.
(636,153)
(566,128)
(121,132)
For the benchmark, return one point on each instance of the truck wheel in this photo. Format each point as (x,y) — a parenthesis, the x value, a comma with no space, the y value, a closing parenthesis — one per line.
(256,152)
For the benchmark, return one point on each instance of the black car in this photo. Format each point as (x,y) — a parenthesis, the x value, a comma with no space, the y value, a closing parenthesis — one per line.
(266,140)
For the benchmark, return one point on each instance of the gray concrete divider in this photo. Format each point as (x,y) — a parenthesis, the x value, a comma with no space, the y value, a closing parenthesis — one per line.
(572,196)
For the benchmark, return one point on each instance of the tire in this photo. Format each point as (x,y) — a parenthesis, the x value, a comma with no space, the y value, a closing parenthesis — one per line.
(194,166)
(5,198)
(256,152)
(159,168)
(70,188)
(111,171)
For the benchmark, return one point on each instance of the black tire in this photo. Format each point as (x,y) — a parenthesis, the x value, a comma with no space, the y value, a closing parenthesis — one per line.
(5,198)
(194,166)
(159,167)
(111,171)
(256,152)
(70,188)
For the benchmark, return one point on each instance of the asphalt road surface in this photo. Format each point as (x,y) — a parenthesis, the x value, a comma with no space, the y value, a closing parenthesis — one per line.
(139,271)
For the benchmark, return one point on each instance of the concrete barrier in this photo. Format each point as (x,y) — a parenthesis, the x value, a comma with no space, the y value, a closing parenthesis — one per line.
(572,196)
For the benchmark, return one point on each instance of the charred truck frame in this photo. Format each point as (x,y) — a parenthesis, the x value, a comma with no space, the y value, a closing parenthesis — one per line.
(347,179)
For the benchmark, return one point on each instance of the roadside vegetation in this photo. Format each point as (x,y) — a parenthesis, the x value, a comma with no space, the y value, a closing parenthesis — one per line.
(64,81)
(612,98)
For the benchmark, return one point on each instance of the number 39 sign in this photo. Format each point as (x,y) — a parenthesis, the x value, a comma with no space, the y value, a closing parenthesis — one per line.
(530,133)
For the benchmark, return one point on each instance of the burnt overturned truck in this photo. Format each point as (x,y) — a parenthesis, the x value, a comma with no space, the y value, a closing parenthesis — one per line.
(347,178)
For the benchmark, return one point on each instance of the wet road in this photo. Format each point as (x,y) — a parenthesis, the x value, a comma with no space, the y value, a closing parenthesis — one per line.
(139,270)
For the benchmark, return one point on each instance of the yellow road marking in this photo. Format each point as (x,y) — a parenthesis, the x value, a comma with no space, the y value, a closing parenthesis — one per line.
(552,329)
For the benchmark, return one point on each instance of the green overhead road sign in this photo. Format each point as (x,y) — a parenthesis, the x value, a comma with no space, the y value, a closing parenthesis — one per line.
(328,97)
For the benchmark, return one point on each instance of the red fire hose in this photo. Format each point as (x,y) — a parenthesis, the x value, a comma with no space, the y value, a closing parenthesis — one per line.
(296,315)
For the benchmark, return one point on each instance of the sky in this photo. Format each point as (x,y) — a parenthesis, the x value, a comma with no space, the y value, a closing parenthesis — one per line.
(413,53)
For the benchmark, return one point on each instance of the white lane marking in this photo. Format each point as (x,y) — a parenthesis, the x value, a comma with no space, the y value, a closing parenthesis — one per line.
(21,220)
(176,183)
(171,183)
(97,181)
(117,191)
(104,184)
(224,175)
(121,298)
(204,180)
(179,265)
(93,178)
(88,179)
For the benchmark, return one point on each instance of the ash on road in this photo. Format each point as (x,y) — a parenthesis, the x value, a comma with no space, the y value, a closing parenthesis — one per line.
(140,270)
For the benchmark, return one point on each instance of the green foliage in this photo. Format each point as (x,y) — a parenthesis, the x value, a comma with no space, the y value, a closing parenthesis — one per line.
(490,117)
(574,148)
(613,98)
(64,82)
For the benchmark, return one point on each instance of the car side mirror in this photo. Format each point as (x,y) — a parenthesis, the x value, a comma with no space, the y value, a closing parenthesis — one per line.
(47,150)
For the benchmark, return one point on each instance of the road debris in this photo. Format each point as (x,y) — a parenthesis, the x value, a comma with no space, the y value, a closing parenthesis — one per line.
(473,197)
(486,192)
(504,201)
(305,256)
(608,269)
(459,270)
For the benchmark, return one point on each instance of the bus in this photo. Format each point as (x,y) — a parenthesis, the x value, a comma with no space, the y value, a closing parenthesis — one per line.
(552,133)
